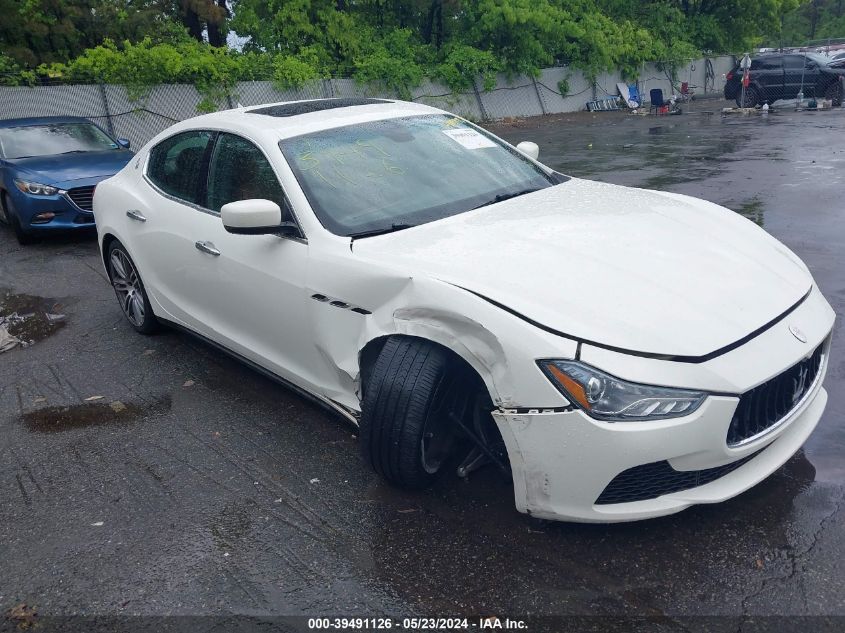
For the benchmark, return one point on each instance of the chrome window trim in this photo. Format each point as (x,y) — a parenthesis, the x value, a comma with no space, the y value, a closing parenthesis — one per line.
(794,411)
(200,208)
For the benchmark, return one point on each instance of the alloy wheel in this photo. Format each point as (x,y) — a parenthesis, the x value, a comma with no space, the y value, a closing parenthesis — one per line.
(127,287)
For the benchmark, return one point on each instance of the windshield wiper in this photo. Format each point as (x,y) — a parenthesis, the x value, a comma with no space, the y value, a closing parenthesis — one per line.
(74,151)
(507,196)
(385,229)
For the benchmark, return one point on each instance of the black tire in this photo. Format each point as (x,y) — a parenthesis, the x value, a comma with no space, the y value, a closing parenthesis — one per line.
(407,428)
(752,97)
(834,93)
(24,238)
(129,289)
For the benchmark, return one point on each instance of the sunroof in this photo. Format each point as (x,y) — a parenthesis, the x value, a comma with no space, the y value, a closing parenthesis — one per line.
(304,107)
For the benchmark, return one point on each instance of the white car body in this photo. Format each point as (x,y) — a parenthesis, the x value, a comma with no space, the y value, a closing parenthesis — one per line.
(654,288)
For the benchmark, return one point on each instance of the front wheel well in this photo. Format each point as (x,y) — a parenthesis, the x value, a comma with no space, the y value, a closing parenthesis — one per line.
(423,408)
(369,355)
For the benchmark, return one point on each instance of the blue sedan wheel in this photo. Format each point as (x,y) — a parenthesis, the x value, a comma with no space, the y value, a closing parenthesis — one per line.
(12,218)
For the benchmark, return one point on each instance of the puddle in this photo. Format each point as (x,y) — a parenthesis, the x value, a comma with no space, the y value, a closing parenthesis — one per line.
(752,209)
(59,419)
(26,319)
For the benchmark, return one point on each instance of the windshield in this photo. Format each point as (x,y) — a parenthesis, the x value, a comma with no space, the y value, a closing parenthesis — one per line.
(54,138)
(391,174)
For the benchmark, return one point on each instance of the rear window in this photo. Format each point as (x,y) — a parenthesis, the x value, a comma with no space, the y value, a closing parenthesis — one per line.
(176,165)
(767,63)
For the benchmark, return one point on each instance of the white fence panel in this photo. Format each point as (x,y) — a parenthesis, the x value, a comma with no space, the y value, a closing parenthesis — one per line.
(141,119)
(580,90)
(515,97)
(437,95)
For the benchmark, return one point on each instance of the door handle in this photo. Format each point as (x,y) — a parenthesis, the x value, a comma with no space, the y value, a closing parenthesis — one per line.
(135,215)
(207,247)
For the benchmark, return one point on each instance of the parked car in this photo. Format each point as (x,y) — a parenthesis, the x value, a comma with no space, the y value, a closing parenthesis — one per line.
(49,167)
(783,76)
(624,353)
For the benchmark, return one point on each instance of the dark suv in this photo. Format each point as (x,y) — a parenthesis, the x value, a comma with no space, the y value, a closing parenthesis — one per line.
(783,76)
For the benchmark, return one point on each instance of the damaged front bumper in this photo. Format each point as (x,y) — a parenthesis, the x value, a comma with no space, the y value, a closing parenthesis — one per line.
(569,466)
(562,463)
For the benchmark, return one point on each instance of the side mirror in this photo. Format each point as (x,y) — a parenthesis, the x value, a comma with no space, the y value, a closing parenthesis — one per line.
(532,150)
(252,217)
(125,143)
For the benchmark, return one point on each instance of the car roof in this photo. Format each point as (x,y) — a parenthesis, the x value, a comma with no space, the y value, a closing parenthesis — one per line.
(41,120)
(293,118)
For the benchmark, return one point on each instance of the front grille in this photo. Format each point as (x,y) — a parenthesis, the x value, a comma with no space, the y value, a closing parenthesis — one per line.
(83,197)
(765,405)
(650,481)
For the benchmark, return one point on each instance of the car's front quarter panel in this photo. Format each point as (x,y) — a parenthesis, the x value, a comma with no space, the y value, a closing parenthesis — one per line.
(501,347)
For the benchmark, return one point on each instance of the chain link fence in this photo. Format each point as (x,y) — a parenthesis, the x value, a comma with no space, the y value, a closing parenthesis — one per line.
(555,90)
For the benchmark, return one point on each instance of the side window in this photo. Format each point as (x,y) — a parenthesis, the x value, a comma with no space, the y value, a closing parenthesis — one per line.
(176,165)
(793,62)
(240,171)
(766,63)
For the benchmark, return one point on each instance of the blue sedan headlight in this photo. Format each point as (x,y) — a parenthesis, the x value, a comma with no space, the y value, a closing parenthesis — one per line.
(35,188)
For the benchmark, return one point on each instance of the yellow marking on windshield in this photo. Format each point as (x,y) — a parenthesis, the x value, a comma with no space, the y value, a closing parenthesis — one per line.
(345,177)
(312,160)
(361,143)
(392,169)
(324,179)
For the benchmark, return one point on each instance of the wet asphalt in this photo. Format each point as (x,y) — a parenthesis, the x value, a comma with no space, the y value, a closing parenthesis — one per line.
(156,476)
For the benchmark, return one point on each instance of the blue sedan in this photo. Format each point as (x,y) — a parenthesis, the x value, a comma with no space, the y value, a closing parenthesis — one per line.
(49,167)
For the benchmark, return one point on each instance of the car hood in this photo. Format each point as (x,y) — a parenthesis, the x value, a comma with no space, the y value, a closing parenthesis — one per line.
(62,169)
(638,270)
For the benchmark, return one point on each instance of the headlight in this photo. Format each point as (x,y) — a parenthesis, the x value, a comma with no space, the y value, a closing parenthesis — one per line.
(608,398)
(36,189)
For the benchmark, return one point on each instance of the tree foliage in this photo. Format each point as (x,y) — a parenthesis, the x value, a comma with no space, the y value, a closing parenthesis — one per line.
(397,43)
(810,20)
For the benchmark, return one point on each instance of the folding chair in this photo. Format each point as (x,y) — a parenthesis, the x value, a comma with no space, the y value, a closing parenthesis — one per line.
(655,96)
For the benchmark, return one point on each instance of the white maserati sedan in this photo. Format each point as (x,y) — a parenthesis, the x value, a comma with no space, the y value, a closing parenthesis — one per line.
(621,353)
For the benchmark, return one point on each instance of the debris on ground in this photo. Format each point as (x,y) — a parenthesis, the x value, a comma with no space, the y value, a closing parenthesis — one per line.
(25,319)
(23,615)
(630,95)
(603,105)
(7,341)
